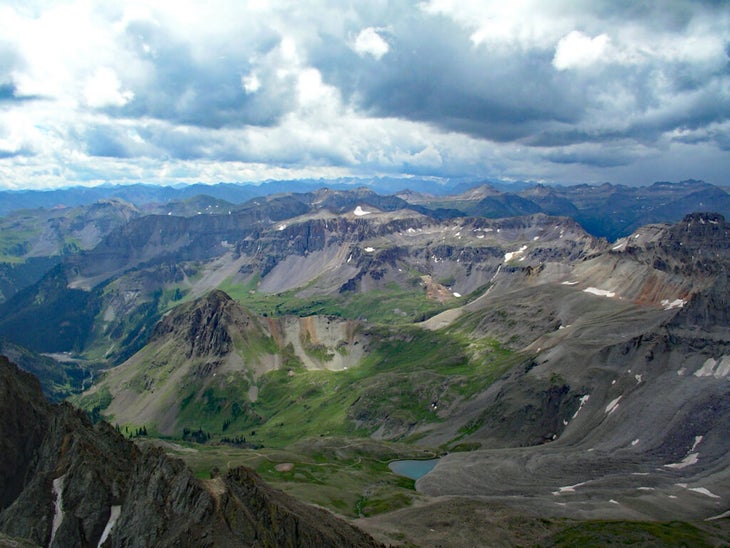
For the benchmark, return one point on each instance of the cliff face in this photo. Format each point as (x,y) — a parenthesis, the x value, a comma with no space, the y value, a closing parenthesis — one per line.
(23,423)
(66,482)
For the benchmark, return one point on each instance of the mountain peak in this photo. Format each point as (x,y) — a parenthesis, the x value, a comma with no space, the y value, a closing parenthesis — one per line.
(704,218)
(704,231)
(480,192)
(203,326)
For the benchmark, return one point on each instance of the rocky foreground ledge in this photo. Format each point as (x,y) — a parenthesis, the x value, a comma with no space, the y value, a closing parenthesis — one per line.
(66,482)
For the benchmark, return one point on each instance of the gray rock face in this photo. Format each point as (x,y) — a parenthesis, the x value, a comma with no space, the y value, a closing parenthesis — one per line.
(622,409)
(23,421)
(203,328)
(66,482)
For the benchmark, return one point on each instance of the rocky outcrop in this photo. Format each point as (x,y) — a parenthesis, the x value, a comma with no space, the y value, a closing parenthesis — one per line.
(204,327)
(66,482)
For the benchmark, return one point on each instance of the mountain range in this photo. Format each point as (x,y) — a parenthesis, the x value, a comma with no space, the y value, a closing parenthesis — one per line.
(564,349)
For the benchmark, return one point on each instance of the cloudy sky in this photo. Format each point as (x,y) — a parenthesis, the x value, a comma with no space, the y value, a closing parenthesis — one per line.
(232,90)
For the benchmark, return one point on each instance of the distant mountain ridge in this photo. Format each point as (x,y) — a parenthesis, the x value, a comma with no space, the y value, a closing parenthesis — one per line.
(605,210)
(141,194)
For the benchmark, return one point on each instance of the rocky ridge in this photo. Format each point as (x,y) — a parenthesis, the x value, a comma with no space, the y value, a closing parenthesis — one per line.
(66,482)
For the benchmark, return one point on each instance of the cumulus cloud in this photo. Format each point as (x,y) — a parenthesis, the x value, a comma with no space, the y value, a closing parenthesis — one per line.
(103,89)
(369,42)
(251,83)
(93,91)
(576,50)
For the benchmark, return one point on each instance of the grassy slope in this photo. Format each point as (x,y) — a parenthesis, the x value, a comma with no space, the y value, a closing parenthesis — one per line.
(407,378)
(350,476)
(391,305)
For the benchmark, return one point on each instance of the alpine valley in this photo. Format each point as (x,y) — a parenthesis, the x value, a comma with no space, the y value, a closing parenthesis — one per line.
(243,354)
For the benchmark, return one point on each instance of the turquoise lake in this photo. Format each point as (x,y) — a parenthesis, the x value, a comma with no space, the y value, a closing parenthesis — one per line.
(413,469)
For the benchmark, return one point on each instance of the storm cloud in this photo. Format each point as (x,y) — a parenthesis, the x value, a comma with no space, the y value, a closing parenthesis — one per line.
(94,92)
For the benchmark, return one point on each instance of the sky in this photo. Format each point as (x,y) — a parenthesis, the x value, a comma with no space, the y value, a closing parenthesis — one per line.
(205,91)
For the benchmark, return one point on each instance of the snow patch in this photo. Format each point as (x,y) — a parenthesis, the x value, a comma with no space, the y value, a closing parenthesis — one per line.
(704,491)
(281,227)
(635,442)
(715,368)
(698,440)
(113,517)
(369,249)
(568,488)
(58,511)
(638,378)
(512,254)
(599,292)
(571,283)
(611,407)
(719,516)
(681,372)
(359,211)
(707,369)
(583,400)
(455,294)
(723,368)
(676,303)
(688,460)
